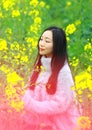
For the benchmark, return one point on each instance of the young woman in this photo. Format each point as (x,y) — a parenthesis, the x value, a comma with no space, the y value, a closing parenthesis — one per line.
(49,100)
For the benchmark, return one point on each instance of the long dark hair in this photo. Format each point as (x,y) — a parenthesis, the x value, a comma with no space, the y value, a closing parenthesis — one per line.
(57,62)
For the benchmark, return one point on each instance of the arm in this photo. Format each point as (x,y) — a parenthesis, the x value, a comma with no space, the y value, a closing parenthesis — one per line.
(59,102)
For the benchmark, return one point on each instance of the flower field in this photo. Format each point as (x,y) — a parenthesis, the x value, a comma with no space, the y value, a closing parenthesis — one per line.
(21,24)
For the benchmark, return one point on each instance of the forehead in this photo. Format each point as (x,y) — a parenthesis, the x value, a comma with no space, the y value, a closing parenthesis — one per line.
(47,34)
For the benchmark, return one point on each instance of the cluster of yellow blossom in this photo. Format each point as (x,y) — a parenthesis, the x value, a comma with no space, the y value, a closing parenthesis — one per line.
(18,105)
(24,58)
(34,3)
(70,29)
(74,61)
(83,85)
(36,20)
(77,22)
(8,31)
(13,78)
(88,46)
(15,13)
(7,4)
(84,122)
(20,55)
(3,44)
(15,46)
(33,12)
(5,69)
(14,90)
(41,69)
(68,3)
(1,15)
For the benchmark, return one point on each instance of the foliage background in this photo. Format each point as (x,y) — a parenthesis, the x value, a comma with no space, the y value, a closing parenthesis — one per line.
(21,24)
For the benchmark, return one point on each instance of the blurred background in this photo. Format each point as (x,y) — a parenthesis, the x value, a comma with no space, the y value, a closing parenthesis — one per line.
(21,24)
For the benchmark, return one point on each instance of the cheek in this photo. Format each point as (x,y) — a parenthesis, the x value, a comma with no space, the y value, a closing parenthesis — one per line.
(51,47)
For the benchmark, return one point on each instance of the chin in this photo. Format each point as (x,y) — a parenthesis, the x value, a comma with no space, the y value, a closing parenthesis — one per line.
(41,53)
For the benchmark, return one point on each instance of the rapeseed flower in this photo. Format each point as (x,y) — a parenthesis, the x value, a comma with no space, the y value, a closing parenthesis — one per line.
(68,3)
(68,39)
(3,44)
(88,46)
(70,29)
(17,105)
(8,4)
(24,58)
(83,81)
(74,62)
(47,6)
(33,28)
(84,122)
(9,31)
(15,46)
(13,78)
(29,39)
(5,69)
(1,15)
(77,22)
(34,12)
(18,56)
(15,13)
(37,20)
(42,4)
(34,3)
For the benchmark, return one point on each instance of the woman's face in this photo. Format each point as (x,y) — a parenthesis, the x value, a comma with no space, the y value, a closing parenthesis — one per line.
(46,44)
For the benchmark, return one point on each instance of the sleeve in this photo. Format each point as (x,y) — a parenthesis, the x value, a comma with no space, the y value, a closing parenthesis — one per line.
(59,102)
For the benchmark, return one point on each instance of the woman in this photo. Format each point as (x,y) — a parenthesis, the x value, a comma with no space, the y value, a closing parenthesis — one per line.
(49,100)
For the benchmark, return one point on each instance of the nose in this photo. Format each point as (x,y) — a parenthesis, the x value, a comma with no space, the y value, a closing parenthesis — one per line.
(42,43)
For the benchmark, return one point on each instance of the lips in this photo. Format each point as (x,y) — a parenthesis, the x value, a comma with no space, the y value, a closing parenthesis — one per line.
(41,49)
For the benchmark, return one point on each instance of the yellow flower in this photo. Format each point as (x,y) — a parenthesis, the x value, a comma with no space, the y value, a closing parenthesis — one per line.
(1,15)
(15,13)
(84,122)
(42,4)
(8,92)
(77,22)
(37,20)
(17,56)
(68,3)
(33,43)
(29,39)
(33,12)
(8,4)
(68,39)
(33,28)
(17,105)
(88,46)
(13,78)
(24,58)
(47,6)
(34,3)
(9,31)
(74,62)
(89,69)
(5,69)
(3,44)
(71,28)
(15,46)
(83,81)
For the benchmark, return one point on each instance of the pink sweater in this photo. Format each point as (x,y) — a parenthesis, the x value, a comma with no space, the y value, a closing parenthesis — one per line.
(52,112)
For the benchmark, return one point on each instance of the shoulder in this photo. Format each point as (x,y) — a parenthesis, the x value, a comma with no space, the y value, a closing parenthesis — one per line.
(65,75)
(65,68)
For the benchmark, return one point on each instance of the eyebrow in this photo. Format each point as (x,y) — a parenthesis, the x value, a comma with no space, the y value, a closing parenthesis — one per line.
(47,38)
